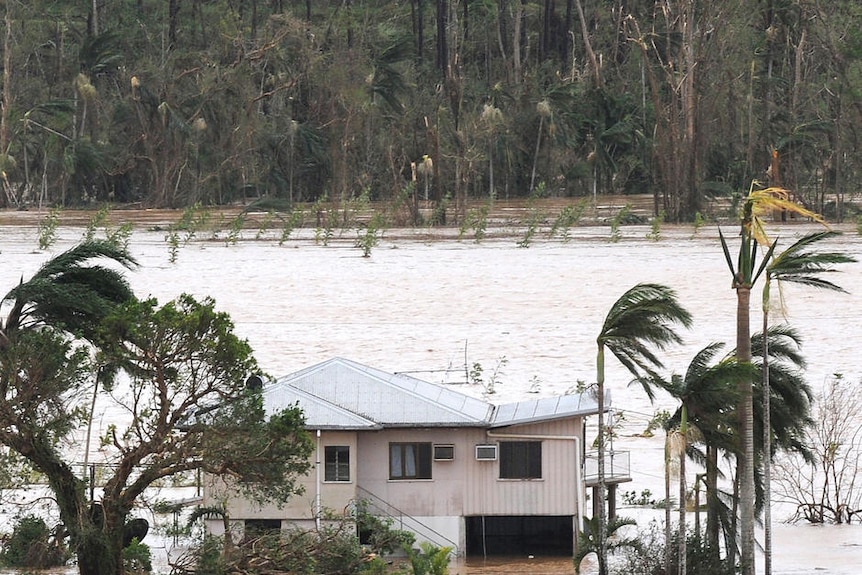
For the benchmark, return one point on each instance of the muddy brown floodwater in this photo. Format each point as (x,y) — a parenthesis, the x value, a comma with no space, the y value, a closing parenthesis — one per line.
(528,316)
(508,565)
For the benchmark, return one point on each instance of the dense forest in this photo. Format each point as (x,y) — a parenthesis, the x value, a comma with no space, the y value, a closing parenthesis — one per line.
(210,102)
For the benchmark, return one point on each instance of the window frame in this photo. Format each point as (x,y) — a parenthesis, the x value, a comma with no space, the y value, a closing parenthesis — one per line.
(411,466)
(336,466)
(520,460)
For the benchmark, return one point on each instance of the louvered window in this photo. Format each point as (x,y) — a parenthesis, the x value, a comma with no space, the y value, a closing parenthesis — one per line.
(520,460)
(336,463)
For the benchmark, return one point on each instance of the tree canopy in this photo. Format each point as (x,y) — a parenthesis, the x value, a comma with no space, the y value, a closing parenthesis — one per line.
(177,371)
(172,104)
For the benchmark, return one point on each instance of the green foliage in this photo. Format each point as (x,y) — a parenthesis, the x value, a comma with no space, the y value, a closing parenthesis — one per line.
(648,557)
(136,558)
(32,546)
(699,222)
(193,219)
(100,218)
(568,217)
(338,103)
(118,237)
(643,499)
(657,421)
(377,531)
(293,221)
(327,220)
(477,221)
(534,220)
(475,375)
(235,229)
(588,538)
(207,558)
(429,559)
(655,227)
(48,229)
(370,236)
(352,208)
(618,220)
(264,225)
(333,549)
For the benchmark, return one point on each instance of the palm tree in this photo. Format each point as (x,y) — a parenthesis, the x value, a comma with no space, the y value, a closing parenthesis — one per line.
(707,395)
(69,292)
(797,264)
(745,274)
(70,295)
(642,318)
(679,440)
(589,537)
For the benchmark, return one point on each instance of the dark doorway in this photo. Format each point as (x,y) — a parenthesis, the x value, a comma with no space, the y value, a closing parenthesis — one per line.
(520,535)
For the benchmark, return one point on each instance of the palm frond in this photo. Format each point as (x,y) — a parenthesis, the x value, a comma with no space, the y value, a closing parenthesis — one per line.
(767,200)
(784,345)
(70,293)
(643,320)
(798,264)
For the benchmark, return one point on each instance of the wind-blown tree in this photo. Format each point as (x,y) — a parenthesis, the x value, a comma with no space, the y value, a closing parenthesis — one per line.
(178,371)
(745,272)
(642,321)
(799,264)
(706,393)
(70,292)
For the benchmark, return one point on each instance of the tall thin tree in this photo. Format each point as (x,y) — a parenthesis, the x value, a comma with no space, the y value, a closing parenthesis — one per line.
(642,321)
(798,264)
(745,272)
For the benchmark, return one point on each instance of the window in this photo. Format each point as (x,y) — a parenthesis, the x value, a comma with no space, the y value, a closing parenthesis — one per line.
(444,452)
(337,463)
(521,460)
(409,461)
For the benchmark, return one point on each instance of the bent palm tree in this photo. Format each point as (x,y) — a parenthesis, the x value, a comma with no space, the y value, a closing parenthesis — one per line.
(642,318)
(71,295)
(69,292)
(707,395)
(797,264)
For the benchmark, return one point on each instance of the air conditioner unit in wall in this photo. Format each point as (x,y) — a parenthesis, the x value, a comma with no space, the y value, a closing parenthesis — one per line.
(486,452)
(444,452)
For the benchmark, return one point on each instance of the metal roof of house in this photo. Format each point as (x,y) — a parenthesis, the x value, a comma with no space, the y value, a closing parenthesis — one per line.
(319,414)
(544,409)
(343,394)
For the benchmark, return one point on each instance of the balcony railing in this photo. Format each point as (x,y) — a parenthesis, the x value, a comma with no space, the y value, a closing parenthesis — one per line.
(617,467)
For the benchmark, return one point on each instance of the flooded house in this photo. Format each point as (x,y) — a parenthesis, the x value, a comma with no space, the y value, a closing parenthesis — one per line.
(455,470)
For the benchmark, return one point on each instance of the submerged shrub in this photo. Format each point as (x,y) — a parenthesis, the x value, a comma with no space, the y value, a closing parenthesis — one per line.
(648,558)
